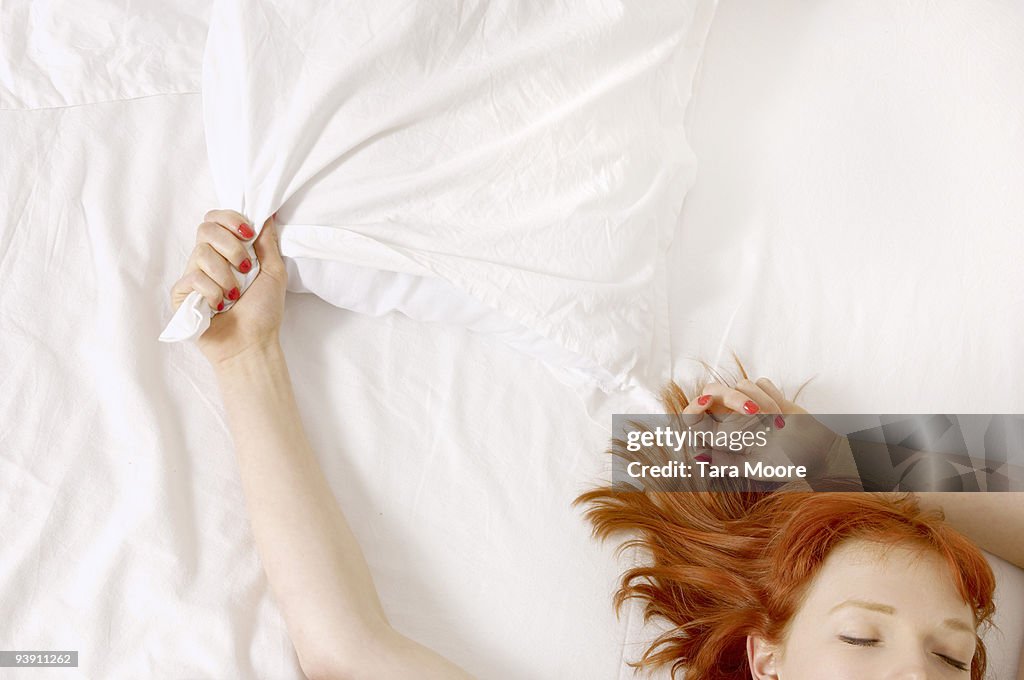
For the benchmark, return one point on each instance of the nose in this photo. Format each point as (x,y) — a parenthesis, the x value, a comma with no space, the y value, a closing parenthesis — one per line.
(914,674)
(914,668)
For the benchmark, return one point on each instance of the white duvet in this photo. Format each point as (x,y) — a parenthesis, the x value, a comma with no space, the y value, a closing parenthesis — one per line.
(512,168)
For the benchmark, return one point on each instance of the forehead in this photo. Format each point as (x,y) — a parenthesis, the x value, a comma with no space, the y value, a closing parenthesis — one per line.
(915,581)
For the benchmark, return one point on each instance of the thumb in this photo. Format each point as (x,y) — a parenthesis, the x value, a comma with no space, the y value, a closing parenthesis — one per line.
(267,246)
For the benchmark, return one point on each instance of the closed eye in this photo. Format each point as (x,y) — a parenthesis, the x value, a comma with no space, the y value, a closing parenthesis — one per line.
(871,642)
(959,665)
(860,642)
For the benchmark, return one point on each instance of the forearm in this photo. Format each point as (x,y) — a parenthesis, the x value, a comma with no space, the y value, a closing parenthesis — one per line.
(313,563)
(993,520)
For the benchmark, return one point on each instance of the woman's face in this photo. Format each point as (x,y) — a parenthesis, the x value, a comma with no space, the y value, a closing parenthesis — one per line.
(874,613)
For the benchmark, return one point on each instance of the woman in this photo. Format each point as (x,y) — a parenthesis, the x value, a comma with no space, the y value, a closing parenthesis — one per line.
(324,589)
(803,585)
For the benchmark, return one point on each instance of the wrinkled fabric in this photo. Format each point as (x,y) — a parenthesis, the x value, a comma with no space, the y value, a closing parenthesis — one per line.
(124,525)
(56,53)
(522,167)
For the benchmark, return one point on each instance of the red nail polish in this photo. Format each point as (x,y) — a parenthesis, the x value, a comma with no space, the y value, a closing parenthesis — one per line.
(245,266)
(220,307)
(780,422)
(245,231)
(702,458)
(233,295)
(703,401)
(750,407)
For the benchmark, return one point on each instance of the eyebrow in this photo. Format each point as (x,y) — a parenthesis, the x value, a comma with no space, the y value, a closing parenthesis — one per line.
(954,624)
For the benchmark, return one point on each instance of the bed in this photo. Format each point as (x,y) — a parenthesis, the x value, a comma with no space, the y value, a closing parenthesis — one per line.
(455,456)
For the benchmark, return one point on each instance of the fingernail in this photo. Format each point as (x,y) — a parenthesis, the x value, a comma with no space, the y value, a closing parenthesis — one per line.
(245,231)
(703,401)
(780,422)
(233,295)
(702,458)
(750,407)
(245,266)
(220,307)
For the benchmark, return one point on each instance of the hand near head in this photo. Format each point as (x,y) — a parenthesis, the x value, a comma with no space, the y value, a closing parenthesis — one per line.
(255,319)
(761,406)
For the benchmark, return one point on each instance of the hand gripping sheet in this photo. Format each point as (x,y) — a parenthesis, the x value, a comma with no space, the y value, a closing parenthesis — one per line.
(513,168)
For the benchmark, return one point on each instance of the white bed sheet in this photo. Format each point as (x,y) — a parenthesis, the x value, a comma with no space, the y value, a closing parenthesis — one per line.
(858,212)
(124,532)
(57,53)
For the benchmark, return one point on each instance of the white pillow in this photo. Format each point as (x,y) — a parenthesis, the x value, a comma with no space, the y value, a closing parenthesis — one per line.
(514,168)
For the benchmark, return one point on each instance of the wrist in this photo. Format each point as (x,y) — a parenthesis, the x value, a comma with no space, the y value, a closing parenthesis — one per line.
(256,357)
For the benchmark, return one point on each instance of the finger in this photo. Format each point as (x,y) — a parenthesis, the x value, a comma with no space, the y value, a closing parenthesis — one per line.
(695,410)
(759,396)
(732,410)
(267,245)
(213,264)
(226,245)
(774,392)
(767,404)
(232,221)
(197,281)
(732,398)
(700,404)
(788,407)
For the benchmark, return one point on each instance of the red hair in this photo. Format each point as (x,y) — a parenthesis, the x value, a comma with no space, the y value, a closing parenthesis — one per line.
(728,564)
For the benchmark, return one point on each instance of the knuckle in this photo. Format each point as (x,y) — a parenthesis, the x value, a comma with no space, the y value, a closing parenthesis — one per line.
(210,216)
(203,250)
(203,254)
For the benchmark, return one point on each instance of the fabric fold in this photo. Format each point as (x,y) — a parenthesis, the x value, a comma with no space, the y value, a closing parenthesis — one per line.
(527,164)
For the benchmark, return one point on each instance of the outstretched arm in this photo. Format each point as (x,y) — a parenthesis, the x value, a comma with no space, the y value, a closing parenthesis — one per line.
(313,563)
